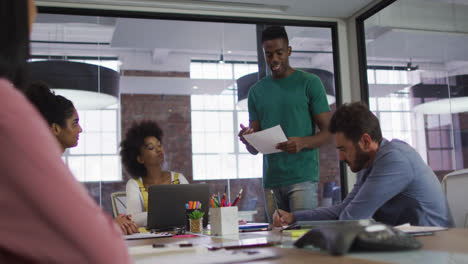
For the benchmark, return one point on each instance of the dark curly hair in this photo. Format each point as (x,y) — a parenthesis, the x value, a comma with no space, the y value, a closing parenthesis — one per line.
(54,108)
(134,139)
(355,119)
(274,32)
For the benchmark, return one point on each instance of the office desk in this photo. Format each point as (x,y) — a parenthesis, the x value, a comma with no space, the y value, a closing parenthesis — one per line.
(449,246)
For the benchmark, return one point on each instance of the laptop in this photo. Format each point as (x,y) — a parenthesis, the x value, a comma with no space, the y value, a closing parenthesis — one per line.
(166,204)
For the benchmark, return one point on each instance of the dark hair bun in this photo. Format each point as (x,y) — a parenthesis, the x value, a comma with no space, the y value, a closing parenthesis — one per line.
(54,108)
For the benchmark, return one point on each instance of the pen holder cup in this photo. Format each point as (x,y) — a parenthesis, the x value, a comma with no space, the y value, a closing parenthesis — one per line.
(224,221)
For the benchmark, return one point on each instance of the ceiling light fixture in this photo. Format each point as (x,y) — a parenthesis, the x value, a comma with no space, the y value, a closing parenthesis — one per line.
(443,106)
(88,86)
(221,58)
(410,67)
(441,95)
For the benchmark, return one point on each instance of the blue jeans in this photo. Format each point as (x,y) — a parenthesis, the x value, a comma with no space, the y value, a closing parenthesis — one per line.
(291,198)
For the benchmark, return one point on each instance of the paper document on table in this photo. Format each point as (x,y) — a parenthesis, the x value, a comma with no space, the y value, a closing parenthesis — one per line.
(147,235)
(407,228)
(265,141)
(196,255)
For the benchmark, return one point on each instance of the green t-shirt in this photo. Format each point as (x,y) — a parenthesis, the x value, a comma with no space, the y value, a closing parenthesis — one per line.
(291,102)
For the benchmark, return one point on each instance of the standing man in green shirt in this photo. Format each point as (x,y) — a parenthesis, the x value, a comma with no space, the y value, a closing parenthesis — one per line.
(296,100)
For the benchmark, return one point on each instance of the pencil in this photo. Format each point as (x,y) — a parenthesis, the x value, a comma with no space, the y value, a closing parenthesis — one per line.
(276,203)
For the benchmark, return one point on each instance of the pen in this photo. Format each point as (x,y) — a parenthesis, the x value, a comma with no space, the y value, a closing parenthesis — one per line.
(276,203)
(238,197)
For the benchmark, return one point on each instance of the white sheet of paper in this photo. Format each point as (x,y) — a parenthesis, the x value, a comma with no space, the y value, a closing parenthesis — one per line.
(196,255)
(265,141)
(407,228)
(146,235)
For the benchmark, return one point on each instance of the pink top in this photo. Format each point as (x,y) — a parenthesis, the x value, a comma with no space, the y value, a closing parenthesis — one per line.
(46,215)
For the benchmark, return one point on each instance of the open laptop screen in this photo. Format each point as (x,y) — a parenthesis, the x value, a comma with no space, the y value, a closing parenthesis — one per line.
(166,204)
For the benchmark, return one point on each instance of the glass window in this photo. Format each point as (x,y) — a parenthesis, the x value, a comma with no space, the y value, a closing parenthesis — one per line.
(424,80)
(215,142)
(96,156)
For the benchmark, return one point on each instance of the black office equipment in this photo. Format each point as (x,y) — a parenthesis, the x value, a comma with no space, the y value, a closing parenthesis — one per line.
(339,239)
(166,204)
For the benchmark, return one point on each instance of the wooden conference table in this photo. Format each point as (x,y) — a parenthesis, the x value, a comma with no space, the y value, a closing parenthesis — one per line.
(450,246)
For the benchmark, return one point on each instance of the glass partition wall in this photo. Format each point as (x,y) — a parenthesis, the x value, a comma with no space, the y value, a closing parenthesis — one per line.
(417,66)
(183,75)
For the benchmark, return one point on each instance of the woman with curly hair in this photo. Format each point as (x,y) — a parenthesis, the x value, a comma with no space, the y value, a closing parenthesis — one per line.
(143,156)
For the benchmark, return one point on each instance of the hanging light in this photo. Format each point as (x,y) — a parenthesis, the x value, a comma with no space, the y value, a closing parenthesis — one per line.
(410,67)
(88,86)
(440,98)
(221,58)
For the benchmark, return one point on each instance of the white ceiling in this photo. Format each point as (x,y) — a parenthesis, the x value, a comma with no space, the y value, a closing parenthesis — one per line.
(303,8)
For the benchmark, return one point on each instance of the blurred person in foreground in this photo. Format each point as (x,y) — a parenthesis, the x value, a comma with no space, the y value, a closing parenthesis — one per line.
(47,216)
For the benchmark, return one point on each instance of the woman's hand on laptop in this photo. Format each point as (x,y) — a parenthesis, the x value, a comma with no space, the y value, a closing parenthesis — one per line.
(126,224)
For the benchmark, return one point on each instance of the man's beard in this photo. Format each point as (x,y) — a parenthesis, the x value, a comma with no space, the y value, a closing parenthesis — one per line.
(361,159)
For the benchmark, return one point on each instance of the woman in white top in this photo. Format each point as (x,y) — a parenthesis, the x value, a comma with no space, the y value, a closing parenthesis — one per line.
(143,156)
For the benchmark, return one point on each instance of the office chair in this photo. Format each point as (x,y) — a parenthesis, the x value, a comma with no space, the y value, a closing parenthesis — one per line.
(119,203)
(455,185)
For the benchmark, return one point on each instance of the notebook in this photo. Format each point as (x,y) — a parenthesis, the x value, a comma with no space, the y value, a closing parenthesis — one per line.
(166,204)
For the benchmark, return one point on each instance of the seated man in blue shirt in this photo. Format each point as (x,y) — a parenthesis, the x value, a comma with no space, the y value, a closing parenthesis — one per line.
(394,185)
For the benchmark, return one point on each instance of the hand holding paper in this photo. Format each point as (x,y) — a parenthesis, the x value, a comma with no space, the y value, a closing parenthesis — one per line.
(293,145)
(265,141)
(244,131)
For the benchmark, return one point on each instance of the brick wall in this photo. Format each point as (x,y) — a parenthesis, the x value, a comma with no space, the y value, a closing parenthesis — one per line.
(172,113)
